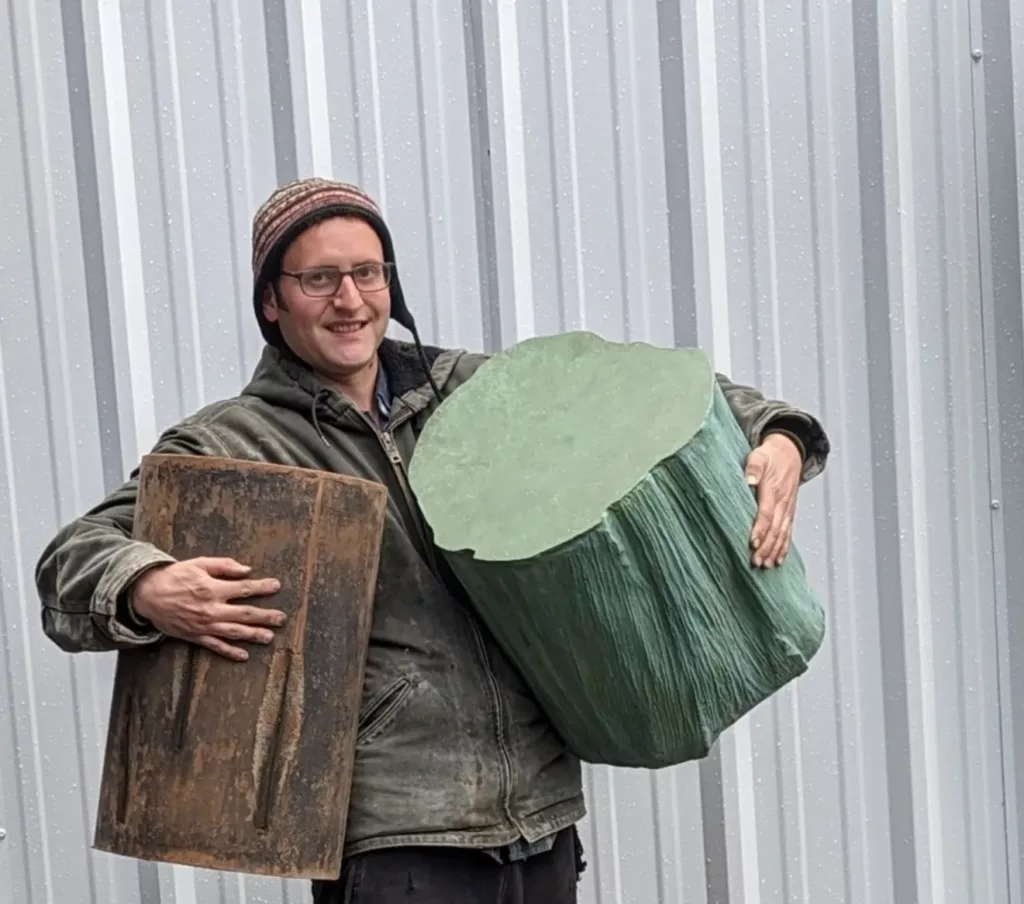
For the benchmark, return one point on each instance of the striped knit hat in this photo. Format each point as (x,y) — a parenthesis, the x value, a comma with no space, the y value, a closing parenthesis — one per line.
(295,207)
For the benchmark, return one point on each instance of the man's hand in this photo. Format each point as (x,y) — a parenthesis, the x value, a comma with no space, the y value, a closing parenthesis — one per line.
(192,600)
(774,468)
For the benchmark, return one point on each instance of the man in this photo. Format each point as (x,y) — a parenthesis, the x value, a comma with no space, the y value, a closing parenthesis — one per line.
(462,792)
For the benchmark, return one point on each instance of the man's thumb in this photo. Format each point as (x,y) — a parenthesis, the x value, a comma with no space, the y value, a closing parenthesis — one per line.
(755,467)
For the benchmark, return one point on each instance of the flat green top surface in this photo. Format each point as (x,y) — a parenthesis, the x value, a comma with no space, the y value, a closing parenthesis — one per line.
(534,448)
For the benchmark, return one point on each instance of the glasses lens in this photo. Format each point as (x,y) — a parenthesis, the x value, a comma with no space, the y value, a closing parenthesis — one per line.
(370,277)
(321,282)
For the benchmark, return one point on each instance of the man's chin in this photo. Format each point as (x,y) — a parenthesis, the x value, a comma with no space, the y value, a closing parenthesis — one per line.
(353,362)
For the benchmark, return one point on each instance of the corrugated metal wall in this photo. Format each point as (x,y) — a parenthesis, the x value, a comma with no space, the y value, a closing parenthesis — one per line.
(822,194)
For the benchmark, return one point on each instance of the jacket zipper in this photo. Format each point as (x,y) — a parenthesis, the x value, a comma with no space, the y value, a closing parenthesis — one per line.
(395,457)
(387,441)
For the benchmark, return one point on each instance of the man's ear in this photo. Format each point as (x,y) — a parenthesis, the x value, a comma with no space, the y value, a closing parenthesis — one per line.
(272,304)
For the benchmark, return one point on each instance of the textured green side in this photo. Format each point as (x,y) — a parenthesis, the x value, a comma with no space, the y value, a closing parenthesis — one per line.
(649,634)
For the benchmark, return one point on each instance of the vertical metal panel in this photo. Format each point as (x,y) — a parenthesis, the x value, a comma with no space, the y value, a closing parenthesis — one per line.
(998,36)
(824,196)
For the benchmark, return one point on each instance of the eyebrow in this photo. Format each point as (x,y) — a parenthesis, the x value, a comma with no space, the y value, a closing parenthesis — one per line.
(311,267)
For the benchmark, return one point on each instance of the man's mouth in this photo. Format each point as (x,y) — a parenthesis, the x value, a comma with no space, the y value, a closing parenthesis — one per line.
(343,328)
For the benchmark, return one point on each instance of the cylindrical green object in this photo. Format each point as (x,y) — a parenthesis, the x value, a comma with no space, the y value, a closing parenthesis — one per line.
(591,498)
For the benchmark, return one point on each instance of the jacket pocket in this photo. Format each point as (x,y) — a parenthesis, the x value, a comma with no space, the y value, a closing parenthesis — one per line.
(382,710)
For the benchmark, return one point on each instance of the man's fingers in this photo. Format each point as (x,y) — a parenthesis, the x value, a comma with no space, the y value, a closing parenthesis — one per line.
(766,506)
(788,540)
(777,537)
(221,567)
(777,542)
(239,632)
(219,646)
(787,537)
(247,615)
(240,590)
(770,545)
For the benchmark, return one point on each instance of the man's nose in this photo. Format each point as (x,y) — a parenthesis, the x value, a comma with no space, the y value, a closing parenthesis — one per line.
(347,297)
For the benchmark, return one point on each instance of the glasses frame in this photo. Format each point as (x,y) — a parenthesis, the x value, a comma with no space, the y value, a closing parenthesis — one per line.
(299,275)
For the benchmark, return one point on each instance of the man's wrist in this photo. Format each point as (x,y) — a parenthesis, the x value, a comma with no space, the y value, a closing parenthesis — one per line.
(128,615)
(793,428)
(793,439)
(127,608)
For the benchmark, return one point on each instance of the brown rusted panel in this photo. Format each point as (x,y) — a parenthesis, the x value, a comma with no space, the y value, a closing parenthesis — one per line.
(247,766)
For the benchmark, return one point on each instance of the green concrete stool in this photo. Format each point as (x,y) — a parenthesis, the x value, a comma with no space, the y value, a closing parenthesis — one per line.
(590,497)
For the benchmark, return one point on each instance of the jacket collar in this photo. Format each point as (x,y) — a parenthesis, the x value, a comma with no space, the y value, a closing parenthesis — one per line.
(281,378)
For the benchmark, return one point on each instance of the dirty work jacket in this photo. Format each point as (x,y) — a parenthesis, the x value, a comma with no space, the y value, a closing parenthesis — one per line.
(452,748)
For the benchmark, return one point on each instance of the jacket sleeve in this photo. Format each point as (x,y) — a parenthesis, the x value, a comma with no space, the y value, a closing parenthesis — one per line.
(85,572)
(467,364)
(759,417)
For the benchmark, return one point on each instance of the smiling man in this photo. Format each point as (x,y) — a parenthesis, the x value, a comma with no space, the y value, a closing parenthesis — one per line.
(462,793)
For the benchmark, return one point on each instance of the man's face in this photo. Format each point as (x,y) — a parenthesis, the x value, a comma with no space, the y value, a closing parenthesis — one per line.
(337,334)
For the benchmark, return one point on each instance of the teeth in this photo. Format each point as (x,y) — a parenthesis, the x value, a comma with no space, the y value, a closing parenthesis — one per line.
(347,327)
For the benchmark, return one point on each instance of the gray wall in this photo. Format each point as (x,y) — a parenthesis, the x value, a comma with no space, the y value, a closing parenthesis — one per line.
(823,195)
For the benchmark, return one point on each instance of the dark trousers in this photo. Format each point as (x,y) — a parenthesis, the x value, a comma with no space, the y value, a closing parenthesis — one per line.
(453,876)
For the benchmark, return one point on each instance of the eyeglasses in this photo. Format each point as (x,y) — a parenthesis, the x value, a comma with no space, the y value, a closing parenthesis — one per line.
(324,282)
